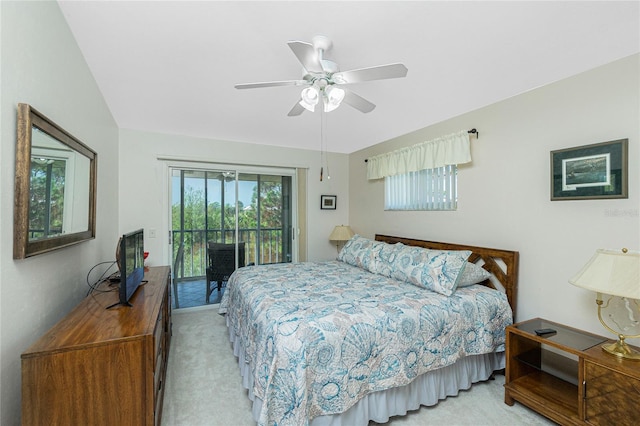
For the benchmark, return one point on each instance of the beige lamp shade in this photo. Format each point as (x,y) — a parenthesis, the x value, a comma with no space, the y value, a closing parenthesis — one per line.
(613,272)
(341,233)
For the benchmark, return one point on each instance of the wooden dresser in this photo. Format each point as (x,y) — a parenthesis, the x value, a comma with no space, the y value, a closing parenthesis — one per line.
(101,366)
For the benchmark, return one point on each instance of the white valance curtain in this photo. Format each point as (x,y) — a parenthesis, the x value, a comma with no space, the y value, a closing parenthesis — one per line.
(445,150)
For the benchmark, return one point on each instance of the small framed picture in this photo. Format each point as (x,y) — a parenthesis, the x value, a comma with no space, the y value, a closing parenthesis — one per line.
(590,172)
(328,202)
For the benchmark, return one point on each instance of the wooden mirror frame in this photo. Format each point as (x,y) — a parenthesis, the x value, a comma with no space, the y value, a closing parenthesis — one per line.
(28,118)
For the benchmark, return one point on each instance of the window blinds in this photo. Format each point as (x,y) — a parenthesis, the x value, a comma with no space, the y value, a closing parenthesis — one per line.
(430,189)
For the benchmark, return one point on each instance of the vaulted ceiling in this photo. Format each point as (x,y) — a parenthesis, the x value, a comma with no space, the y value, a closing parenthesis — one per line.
(171,66)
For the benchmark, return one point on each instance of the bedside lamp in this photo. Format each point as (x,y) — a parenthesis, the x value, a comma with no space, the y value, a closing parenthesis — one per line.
(616,273)
(341,234)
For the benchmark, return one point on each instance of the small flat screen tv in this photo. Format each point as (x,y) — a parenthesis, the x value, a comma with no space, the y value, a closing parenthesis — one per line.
(130,259)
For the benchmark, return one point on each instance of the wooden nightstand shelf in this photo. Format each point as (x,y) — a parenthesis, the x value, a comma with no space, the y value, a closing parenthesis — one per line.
(567,377)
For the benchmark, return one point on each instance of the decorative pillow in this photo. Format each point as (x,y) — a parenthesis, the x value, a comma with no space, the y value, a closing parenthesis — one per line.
(435,270)
(472,274)
(360,252)
(385,255)
(374,256)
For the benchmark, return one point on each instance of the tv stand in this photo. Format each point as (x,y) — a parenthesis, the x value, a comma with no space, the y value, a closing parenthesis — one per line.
(127,303)
(119,304)
(99,366)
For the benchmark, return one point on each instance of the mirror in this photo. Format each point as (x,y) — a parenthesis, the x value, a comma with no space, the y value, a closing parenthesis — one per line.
(55,187)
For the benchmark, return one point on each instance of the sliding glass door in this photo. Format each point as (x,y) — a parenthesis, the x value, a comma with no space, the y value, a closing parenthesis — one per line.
(254,208)
(265,217)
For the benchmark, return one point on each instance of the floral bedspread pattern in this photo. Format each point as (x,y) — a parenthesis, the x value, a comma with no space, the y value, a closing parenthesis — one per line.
(320,336)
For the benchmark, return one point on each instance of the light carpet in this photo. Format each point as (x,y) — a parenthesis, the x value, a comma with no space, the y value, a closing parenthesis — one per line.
(203,385)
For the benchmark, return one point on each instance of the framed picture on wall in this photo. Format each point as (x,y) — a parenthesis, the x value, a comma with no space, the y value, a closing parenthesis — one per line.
(589,172)
(328,202)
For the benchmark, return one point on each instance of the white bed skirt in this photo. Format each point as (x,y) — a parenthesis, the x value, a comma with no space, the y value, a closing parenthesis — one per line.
(426,390)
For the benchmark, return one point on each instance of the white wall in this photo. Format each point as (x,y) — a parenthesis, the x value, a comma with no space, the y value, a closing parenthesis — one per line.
(144,184)
(42,65)
(504,193)
(504,197)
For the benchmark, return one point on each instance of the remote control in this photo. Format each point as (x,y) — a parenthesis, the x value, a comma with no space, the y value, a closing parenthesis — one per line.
(544,331)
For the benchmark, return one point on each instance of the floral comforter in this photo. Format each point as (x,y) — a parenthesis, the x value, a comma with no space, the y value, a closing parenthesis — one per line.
(320,336)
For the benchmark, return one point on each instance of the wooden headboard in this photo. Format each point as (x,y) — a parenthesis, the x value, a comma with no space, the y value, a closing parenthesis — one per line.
(507,275)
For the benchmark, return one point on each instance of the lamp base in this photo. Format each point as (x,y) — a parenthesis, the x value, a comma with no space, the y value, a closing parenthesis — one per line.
(621,350)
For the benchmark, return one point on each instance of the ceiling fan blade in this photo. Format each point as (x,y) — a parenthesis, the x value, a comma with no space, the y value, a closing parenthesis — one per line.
(296,110)
(271,84)
(307,55)
(358,102)
(372,73)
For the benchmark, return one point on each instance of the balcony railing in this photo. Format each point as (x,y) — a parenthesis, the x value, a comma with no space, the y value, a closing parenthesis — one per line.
(261,247)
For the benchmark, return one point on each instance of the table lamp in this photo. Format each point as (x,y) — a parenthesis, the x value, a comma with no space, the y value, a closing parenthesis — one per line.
(616,273)
(341,234)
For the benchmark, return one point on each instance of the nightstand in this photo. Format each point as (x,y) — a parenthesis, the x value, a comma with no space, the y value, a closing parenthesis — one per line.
(568,378)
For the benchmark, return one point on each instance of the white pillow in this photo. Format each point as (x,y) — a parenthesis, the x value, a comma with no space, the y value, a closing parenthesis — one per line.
(472,274)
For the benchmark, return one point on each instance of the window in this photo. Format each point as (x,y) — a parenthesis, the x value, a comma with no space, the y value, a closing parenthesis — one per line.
(227,205)
(430,189)
(46,204)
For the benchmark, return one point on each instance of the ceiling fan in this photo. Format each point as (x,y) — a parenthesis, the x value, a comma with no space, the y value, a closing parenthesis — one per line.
(324,81)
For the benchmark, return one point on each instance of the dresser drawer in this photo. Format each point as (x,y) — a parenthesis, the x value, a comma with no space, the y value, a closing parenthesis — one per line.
(158,334)
(157,378)
(611,397)
(159,353)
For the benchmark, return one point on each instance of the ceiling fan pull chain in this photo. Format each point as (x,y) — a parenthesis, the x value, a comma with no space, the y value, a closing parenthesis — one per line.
(324,133)
(321,144)
(324,158)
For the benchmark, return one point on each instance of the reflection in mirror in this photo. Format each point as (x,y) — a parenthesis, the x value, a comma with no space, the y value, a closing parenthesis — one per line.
(59,175)
(55,187)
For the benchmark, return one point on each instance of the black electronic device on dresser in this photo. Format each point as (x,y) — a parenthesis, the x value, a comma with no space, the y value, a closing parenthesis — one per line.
(130,259)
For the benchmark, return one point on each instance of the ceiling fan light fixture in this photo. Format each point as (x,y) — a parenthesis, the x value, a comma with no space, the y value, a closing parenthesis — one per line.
(328,106)
(309,97)
(308,107)
(321,74)
(333,98)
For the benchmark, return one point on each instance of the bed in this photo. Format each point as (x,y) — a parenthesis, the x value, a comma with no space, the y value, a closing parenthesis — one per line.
(393,324)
